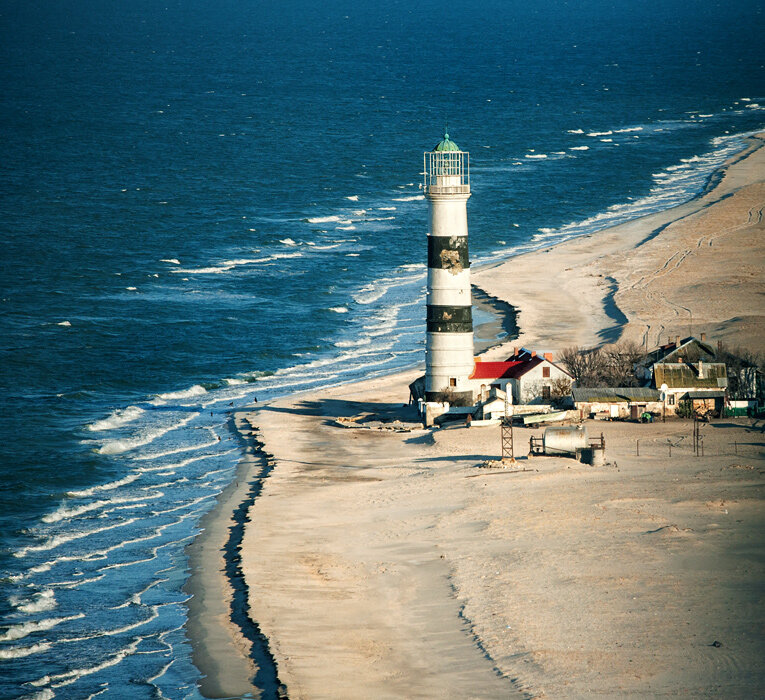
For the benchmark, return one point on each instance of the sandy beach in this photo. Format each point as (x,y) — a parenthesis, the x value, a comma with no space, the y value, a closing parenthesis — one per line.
(387,563)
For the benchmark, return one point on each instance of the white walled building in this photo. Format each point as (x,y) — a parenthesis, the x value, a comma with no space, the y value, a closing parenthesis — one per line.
(532,378)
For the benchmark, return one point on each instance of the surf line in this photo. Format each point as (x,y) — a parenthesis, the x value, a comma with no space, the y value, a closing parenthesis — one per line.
(233,508)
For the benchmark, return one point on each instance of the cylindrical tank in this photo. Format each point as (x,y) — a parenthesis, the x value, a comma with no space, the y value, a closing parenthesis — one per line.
(565,440)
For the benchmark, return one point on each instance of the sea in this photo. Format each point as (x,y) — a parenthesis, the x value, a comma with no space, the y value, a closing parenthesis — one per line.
(208,203)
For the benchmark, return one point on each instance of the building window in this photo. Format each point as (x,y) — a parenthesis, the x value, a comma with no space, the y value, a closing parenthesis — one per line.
(671,399)
(452,381)
(545,392)
(546,372)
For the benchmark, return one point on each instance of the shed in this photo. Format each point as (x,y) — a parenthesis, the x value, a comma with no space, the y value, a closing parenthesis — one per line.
(616,402)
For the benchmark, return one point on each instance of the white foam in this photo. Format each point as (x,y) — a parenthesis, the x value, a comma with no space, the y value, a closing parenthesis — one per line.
(172,261)
(413,198)
(576,131)
(386,208)
(339,309)
(175,465)
(130,478)
(322,219)
(77,582)
(135,598)
(196,390)
(119,630)
(600,133)
(353,343)
(131,289)
(58,540)
(113,447)
(26,628)
(606,140)
(412,266)
(20,652)
(177,450)
(254,261)
(40,602)
(353,198)
(627,130)
(45,693)
(66,513)
(351,255)
(68,677)
(117,419)
(346,228)
(535,155)
(228,265)
(231,381)
(327,247)
(579,148)
(287,241)
(64,323)
(204,270)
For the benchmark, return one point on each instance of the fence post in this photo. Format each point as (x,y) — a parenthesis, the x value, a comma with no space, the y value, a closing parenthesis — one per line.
(637,448)
(670,448)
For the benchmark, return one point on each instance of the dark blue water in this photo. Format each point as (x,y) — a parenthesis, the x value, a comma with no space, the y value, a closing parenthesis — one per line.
(204,202)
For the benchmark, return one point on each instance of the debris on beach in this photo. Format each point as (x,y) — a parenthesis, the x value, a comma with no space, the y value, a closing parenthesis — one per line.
(373,421)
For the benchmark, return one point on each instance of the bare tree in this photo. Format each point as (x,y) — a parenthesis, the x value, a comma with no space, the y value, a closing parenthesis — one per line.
(620,361)
(585,366)
(613,365)
(744,370)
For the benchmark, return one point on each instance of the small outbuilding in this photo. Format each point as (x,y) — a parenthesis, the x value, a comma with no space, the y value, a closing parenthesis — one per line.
(617,403)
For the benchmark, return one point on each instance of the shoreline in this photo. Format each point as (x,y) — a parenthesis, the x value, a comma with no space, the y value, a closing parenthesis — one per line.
(592,256)
(228,647)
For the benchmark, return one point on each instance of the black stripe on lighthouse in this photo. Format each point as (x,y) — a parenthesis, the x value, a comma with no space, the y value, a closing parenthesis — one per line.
(448,253)
(450,319)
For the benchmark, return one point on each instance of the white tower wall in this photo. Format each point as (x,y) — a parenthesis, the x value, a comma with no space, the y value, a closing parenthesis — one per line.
(449,340)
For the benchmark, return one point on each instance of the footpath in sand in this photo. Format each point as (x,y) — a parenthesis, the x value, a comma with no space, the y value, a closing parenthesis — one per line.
(385,564)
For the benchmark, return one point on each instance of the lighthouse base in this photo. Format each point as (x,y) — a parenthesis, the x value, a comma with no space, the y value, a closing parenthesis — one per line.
(455,398)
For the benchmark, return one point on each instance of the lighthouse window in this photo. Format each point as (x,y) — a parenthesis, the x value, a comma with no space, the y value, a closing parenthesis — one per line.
(452,381)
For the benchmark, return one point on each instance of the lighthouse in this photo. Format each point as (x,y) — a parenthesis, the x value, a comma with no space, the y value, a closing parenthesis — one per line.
(449,338)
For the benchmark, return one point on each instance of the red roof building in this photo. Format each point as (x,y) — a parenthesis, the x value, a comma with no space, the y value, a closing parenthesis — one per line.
(529,375)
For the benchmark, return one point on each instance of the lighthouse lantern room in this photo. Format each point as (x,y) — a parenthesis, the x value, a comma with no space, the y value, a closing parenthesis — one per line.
(449,339)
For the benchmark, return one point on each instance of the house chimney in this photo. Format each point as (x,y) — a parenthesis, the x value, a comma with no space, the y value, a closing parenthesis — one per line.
(703,337)
(701,369)
(515,352)
(548,356)
(533,353)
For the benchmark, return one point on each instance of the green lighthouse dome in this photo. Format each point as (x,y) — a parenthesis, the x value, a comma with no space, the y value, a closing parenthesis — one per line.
(446,144)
